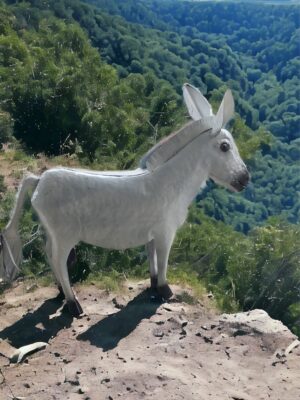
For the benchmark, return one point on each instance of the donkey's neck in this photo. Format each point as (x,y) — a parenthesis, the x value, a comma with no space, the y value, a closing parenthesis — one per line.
(183,175)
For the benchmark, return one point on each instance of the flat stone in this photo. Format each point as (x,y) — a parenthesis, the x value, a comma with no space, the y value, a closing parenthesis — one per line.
(6,349)
(257,320)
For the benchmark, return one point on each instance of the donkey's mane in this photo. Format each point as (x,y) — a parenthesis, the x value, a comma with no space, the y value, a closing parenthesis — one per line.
(169,146)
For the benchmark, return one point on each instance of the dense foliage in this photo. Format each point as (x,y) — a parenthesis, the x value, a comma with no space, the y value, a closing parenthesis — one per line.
(101,81)
(59,94)
(255,51)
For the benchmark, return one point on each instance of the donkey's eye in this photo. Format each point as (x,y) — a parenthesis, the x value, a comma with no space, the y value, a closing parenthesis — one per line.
(225,146)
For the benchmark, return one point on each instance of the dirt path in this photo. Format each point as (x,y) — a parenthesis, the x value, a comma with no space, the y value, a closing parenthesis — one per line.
(131,348)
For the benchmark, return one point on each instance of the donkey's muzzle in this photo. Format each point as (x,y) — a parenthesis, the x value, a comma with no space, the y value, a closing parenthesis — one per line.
(241,181)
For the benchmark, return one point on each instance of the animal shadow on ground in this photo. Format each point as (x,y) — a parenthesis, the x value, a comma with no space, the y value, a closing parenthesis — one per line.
(107,333)
(36,326)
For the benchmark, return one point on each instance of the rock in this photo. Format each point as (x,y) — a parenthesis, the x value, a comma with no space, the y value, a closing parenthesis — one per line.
(220,338)
(175,307)
(31,288)
(4,362)
(238,396)
(119,302)
(6,349)
(158,333)
(291,347)
(175,323)
(72,379)
(83,390)
(240,332)
(278,358)
(258,320)
(280,355)
(21,353)
(207,339)
(105,380)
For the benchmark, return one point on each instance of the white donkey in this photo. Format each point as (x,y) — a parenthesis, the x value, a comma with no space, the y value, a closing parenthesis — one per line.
(119,210)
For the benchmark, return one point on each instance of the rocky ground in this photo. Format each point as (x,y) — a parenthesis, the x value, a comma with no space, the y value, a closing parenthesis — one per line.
(130,347)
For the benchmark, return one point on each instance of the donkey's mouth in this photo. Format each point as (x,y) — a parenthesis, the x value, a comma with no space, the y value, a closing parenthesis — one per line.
(240,183)
(237,186)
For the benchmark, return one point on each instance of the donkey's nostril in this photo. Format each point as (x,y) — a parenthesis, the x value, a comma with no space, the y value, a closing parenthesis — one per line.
(244,178)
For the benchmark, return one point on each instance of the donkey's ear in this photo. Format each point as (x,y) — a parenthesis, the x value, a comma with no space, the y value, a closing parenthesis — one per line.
(197,105)
(226,110)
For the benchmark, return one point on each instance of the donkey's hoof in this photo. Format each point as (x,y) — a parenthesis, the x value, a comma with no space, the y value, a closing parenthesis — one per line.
(74,308)
(153,280)
(164,292)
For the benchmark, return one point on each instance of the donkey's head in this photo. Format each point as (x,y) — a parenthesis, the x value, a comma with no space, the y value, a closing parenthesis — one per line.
(225,164)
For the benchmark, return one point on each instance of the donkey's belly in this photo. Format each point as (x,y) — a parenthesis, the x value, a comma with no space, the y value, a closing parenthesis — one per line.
(118,240)
(130,227)
(121,229)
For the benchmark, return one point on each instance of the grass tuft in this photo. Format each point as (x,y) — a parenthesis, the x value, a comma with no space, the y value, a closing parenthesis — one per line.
(110,281)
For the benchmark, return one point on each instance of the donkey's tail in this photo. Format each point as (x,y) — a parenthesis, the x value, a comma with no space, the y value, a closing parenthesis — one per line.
(10,240)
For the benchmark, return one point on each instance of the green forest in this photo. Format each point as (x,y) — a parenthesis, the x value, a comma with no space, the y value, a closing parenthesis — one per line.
(101,82)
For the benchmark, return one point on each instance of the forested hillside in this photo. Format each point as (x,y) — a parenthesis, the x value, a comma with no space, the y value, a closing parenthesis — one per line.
(255,51)
(212,56)
(101,82)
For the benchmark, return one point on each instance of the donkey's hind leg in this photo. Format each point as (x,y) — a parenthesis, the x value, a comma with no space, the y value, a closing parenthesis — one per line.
(48,249)
(152,263)
(60,269)
(163,250)
(70,263)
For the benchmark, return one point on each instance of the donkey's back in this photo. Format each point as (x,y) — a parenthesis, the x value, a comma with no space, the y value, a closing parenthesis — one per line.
(110,209)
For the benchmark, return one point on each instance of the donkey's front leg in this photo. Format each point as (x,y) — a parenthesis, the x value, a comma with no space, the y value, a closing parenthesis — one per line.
(70,264)
(152,263)
(162,252)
